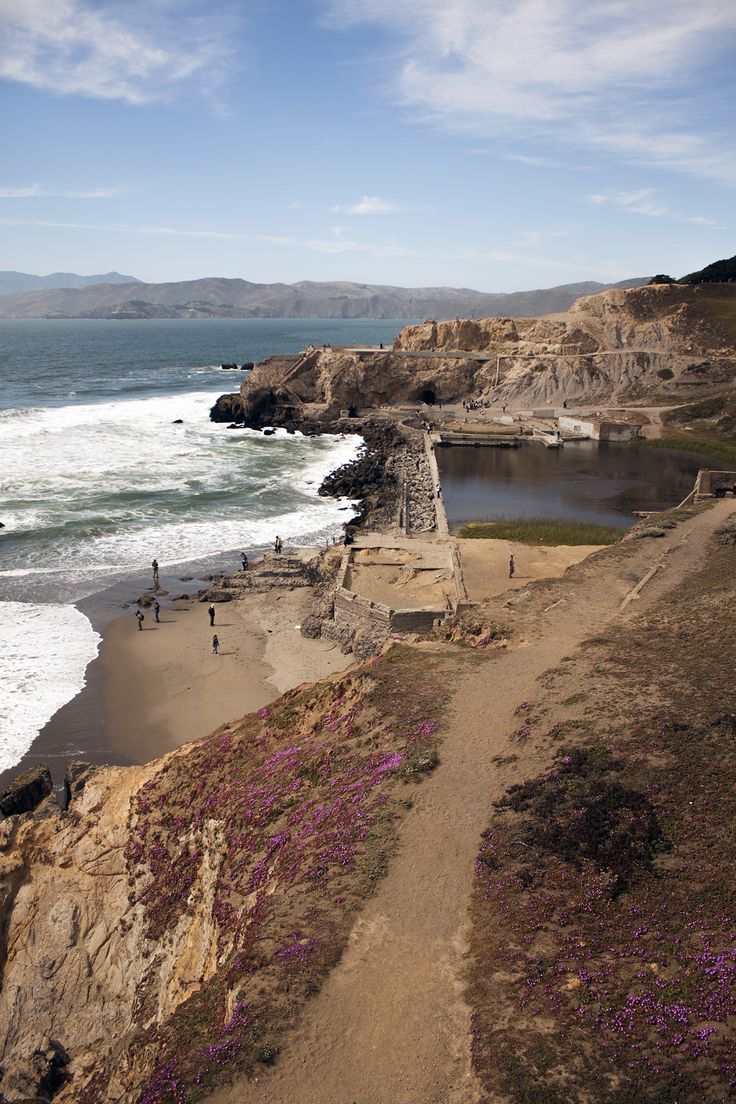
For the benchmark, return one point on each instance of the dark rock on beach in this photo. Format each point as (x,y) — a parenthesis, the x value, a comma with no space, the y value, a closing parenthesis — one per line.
(217,595)
(26,791)
(228,408)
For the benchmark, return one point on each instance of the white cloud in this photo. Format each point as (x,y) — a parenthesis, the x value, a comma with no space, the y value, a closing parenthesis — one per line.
(368,205)
(35,191)
(644,202)
(529,238)
(79,47)
(641,202)
(619,75)
(339,244)
(115,228)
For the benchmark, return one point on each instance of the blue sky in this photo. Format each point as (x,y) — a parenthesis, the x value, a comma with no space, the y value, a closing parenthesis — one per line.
(494,144)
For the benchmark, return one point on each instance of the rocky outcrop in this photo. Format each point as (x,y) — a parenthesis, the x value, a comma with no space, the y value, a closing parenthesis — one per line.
(621,344)
(26,791)
(73,948)
(38,1076)
(228,408)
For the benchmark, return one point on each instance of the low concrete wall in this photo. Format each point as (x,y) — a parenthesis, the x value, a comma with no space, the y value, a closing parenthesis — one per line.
(358,612)
(711,482)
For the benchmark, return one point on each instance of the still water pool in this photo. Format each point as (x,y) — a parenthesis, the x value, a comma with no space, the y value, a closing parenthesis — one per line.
(583,481)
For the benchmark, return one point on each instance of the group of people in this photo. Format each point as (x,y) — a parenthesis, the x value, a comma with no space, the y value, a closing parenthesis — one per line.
(478,404)
(140,616)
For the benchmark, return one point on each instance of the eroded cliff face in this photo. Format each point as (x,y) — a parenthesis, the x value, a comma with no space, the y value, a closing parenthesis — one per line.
(621,344)
(160,935)
(73,943)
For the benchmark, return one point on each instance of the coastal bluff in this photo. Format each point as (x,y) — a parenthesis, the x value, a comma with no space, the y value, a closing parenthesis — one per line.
(283,910)
(669,341)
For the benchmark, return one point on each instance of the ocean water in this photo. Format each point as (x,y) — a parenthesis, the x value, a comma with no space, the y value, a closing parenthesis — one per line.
(96,479)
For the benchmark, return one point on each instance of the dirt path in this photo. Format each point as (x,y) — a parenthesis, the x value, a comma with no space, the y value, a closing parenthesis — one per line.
(390,1025)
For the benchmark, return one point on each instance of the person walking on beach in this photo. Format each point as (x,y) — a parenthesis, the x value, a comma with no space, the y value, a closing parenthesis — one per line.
(278,545)
(243,561)
(215,644)
(139,619)
(156,611)
(512,566)
(439,490)
(211,612)
(154,569)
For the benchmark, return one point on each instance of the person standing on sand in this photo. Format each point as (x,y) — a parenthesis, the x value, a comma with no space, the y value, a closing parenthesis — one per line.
(139,619)
(243,561)
(156,611)
(512,566)
(154,569)
(278,545)
(215,644)
(211,612)
(439,490)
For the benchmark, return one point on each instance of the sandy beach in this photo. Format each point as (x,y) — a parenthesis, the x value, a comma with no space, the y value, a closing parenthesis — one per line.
(163,686)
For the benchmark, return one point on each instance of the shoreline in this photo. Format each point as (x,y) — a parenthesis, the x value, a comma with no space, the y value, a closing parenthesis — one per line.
(163,686)
(116,719)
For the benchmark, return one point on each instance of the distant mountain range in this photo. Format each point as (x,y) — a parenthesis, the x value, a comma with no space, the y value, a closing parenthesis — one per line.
(113,297)
(13,283)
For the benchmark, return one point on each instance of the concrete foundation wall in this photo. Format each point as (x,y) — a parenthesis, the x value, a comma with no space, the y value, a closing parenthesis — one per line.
(359,613)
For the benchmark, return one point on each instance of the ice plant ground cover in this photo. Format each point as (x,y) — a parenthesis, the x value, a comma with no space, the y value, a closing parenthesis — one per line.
(604,908)
(272,831)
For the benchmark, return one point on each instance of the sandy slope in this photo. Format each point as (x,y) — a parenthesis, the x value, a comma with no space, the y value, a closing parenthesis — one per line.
(390,1026)
(163,686)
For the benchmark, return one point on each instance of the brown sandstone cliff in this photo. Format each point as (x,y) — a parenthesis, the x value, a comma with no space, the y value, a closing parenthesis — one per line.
(621,344)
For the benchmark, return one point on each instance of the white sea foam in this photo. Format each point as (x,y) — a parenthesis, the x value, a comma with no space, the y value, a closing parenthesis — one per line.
(44,653)
(93,492)
(107,486)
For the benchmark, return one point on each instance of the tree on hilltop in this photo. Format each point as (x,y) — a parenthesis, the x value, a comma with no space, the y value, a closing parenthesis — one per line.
(720,272)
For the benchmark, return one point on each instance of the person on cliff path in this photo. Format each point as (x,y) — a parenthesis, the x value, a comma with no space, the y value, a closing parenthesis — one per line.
(278,545)
(154,569)
(139,619)
(512,566)
(215,644)
(211,612)
(156,611)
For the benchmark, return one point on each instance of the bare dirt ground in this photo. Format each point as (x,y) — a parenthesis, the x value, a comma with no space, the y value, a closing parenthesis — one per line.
(485,564)
(390,1025)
